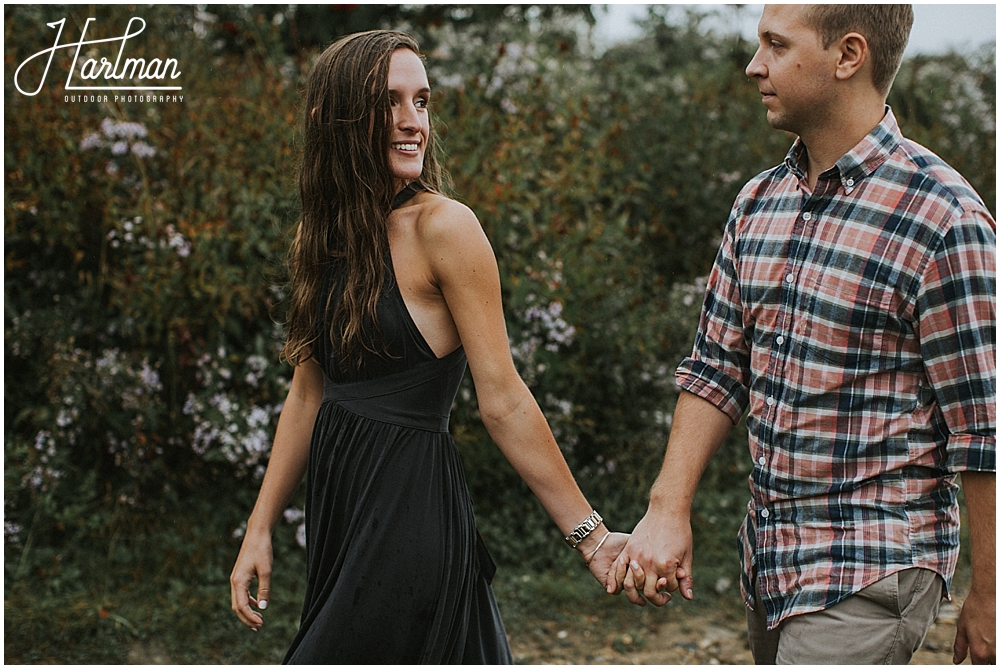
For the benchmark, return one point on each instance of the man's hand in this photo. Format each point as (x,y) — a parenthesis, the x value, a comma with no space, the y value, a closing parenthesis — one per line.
(977,629)
(655,562)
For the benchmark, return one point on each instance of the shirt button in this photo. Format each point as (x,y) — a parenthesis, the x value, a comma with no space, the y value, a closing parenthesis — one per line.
(761,461)
(789,277)
(780,340)
(807,216)
(769,401)
(764,513)
(850,182)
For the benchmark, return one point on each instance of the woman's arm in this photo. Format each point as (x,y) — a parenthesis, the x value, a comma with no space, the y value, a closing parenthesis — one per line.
(465,270)
(285,470)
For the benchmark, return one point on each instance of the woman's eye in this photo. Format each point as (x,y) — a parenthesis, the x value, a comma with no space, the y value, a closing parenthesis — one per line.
(422,103)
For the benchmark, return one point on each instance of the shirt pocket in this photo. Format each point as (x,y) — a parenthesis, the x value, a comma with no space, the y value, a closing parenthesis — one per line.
(845,323)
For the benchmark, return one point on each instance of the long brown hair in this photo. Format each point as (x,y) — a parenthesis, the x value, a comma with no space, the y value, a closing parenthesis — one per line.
(347,188)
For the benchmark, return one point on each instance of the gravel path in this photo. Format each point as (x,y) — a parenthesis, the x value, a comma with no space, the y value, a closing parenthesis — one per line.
(679,637)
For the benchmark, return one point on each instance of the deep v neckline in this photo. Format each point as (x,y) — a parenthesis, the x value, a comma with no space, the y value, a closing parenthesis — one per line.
(402,197)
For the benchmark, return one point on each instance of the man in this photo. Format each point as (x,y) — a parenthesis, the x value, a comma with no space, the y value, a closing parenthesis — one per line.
(850,309)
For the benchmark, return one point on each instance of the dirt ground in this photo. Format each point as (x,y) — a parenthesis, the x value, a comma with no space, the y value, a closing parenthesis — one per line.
(711,636)
(681,638)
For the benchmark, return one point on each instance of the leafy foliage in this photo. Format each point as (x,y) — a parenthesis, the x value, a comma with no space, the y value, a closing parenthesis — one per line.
(143,249)
(948,103)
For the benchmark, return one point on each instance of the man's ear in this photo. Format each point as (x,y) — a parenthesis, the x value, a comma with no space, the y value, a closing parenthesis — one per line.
(853,54)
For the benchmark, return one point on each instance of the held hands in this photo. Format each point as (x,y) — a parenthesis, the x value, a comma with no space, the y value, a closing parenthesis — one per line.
(600,563)
(254,561)
(655,562)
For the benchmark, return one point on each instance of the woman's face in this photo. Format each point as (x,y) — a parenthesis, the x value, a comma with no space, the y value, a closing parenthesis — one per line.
(409,96)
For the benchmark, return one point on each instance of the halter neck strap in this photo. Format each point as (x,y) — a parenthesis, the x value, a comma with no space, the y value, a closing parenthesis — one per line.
(403,196)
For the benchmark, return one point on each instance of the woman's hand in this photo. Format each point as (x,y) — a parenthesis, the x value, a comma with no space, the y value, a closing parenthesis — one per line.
(600,563)
(254,561)
(285,470)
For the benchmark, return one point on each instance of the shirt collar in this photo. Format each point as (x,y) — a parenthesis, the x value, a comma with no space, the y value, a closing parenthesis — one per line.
(859,162)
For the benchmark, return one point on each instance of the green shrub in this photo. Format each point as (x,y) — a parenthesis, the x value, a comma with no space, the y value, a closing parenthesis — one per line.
(144,251)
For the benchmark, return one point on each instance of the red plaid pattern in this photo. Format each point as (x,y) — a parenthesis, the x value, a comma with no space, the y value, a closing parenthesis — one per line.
(857,324)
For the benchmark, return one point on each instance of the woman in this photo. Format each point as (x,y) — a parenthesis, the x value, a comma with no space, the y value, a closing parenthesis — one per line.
(394,288)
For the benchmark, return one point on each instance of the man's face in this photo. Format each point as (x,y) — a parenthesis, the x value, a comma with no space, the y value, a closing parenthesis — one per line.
(794,74)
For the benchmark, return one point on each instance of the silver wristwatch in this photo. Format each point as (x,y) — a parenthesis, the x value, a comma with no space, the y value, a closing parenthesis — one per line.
(581,531)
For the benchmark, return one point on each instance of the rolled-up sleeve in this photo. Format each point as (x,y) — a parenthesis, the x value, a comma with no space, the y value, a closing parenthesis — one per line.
(718,369)
(957,330)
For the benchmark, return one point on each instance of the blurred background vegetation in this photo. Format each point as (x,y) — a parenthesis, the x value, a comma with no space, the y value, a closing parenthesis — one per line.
(144,279)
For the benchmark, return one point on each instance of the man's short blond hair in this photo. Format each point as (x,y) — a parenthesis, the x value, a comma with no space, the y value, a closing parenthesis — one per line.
(886,27)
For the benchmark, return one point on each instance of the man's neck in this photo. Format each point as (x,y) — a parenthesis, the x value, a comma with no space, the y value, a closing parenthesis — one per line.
(828,144)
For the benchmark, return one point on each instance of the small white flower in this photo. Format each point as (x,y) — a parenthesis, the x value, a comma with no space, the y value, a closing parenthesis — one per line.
(293,515)
(91,141)
(259,417)
(143,150)
(64,418)
(257,363)
(300,535)
(150,379)
(125,129)
(191,405)
(10,532)
(42,439)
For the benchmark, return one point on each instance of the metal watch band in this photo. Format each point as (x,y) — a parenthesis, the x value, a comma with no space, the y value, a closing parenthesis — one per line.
(581,531)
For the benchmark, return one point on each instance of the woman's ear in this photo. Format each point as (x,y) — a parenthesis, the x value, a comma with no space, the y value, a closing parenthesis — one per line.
(312,114)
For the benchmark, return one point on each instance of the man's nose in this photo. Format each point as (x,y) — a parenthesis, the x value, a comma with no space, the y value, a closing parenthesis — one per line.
(755,68)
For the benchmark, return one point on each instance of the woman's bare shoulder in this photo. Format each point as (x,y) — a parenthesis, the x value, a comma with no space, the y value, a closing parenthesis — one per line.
(436,206)
(441,216)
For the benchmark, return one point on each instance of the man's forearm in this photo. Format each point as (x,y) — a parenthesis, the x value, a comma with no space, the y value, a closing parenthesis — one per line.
(698,430)
(981,504)
(975,633)
(658,557)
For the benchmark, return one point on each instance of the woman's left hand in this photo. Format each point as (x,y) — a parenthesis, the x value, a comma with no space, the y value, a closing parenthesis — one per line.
(254,561)
(600,563)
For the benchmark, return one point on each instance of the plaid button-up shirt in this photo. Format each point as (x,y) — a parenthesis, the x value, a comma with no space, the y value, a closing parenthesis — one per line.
(857,324)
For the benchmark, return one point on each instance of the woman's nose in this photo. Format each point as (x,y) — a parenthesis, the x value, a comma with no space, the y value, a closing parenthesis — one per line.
(406,116)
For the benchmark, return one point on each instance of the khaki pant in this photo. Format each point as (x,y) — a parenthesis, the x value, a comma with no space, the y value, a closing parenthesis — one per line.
(884,623)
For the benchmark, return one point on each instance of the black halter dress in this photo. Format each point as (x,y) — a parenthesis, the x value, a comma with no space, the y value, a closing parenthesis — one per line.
(397,572)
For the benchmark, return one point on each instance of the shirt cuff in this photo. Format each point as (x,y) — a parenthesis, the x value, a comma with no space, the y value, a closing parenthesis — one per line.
(723,391)
(971,453)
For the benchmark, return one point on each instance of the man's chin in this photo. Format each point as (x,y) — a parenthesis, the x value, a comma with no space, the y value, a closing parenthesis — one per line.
(779,121)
